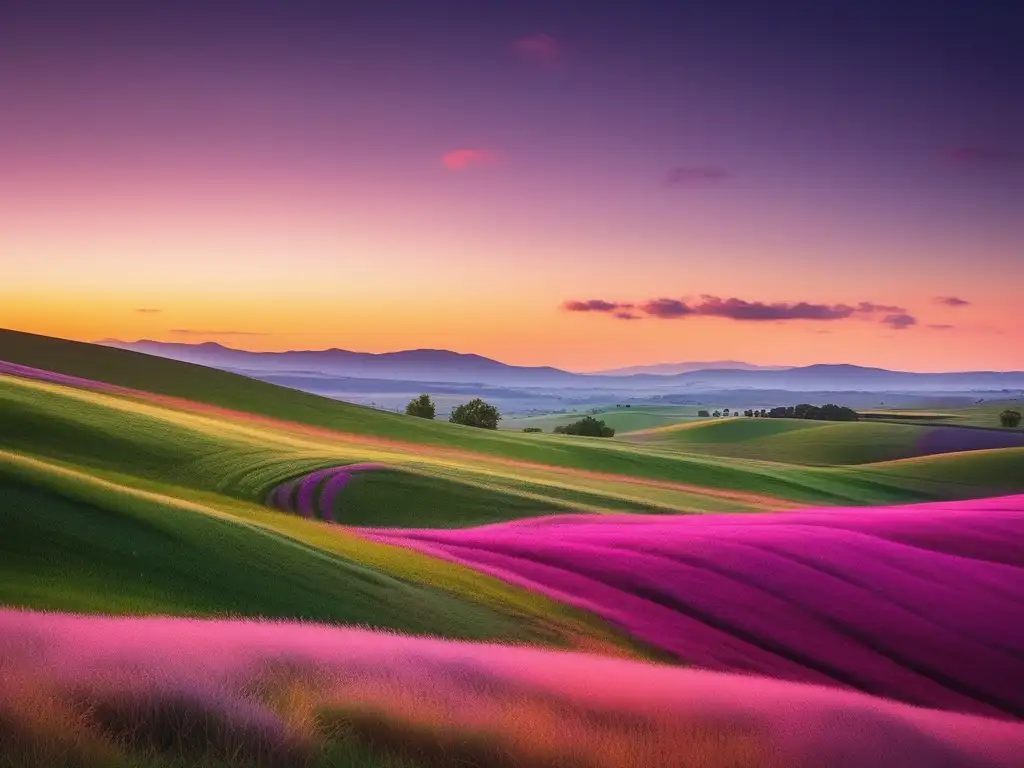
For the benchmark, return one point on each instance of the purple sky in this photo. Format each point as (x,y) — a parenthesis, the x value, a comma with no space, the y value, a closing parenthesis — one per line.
(384,160)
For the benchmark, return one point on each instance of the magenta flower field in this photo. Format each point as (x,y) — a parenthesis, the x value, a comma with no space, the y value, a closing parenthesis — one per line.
(922,603)
(273,693)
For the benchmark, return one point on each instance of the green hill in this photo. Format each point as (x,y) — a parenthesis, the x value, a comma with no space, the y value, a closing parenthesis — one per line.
(955,475)
(792,441)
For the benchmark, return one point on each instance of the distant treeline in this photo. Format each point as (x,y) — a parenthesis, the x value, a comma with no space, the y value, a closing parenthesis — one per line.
(827,412)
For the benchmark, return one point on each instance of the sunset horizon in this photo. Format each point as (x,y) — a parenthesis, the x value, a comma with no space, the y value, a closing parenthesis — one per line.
(570,187)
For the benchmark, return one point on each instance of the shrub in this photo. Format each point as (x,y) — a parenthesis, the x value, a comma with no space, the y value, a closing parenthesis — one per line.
(532,429)
(1009,418)
(476,413)
(421,406)
(588,426)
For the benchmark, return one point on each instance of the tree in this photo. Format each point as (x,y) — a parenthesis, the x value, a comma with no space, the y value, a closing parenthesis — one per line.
(588,426)
(1009,419)
(476,413)
(532,429)
(421,406)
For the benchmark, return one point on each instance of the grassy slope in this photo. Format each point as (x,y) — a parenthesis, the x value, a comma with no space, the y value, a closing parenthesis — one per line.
(142,557)
(246,459)
(980,415)
(187,448)
(793,441)
(999,470)
(90,543)
(210,386)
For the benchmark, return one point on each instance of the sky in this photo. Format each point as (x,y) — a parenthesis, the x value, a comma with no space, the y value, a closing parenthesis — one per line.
(581,184)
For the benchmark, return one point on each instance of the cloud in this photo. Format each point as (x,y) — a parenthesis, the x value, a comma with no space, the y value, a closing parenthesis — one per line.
(666,308)
(982,155)
(696,175)
(868,307)
(744,311)
(951,301)
(461,159)
(738,309)
(148,310)
(899,322)
(540,50)
(595,305)
(941,327)
(198,332)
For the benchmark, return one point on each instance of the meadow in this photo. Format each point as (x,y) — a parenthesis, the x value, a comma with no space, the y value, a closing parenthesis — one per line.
(815,443)
(166,692)
(759,581)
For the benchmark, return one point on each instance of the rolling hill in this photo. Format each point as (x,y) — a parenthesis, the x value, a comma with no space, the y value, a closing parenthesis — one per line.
(137,486)
(818,443)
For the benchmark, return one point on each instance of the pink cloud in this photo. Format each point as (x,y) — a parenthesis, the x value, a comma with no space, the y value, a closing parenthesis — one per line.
(461,159)
(539,49)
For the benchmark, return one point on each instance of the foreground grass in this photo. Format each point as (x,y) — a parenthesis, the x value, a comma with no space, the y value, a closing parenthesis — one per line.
(78,691)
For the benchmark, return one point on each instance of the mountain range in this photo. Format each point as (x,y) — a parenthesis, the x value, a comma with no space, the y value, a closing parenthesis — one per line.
(438,365)
(669,369)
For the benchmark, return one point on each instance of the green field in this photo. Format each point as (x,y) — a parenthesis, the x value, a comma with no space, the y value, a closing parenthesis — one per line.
(984,414)
(791,441)
(622,420)
(151,501)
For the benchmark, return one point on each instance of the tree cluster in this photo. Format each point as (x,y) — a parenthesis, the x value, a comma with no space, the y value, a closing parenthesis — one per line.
(1010,418)
(588,426)
(532,429)
(475,413)
(828,412)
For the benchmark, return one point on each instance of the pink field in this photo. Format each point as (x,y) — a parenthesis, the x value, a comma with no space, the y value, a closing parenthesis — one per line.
(278,694)
(922,603)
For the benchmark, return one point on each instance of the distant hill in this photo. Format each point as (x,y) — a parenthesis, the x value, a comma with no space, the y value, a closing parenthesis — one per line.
(855,378)
(430,365)
(439,365)
(671,369)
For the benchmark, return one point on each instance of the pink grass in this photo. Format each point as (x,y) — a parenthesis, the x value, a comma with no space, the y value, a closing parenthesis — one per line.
(256,688)
(923,603)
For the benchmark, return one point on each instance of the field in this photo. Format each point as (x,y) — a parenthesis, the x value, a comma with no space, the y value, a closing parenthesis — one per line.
(764,556)
(632,419)
(983,414)
(797,441)
(233,693)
